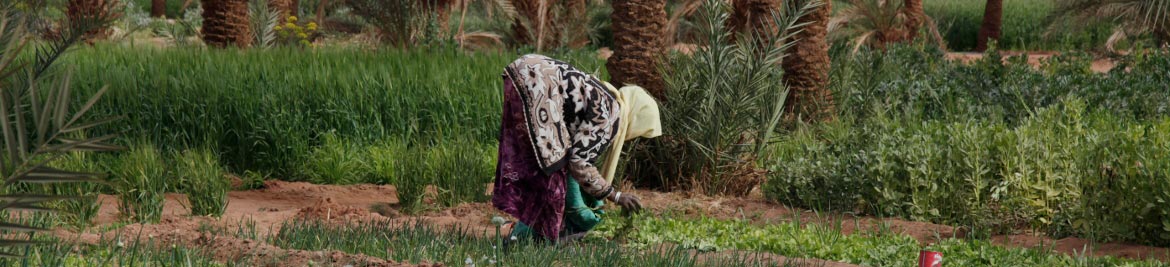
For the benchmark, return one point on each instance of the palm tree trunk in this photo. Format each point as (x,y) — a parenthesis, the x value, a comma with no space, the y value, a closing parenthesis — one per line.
(992,24)
(158,8)
(806,69)
(535,24)
(753,15)
(637,30)
(225,22)
(283,7)
(441,10)
(1162,38)
(576,18)
(915,16)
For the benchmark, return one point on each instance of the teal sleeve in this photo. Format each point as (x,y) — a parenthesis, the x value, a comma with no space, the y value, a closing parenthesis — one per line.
(579,207)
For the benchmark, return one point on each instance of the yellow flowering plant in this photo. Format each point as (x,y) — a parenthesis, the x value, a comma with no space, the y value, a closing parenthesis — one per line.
(292,33)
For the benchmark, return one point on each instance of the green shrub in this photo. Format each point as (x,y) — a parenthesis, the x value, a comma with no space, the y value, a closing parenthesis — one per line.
(384,161)
(336,161)
(1064,170)
(722,107)
(78,212)
(140,178)
(203,182)
(414,177)
(878,248)
(462,172)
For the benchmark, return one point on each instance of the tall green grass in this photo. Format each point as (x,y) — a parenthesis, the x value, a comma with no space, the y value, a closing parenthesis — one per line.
(204,182)
(267,109)
(140,182)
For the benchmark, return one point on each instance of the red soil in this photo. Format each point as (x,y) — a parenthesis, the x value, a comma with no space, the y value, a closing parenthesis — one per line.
(281,201)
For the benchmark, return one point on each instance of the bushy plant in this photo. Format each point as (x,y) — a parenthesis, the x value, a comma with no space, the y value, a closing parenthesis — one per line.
(140,178)
(337,161)
(1061,170)
(410,186)
(291,33)
(724,103)
(203,182)
(385,161)
(462,171)
(81,211)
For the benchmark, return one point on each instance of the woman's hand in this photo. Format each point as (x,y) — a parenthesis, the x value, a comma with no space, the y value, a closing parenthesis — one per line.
(629,202)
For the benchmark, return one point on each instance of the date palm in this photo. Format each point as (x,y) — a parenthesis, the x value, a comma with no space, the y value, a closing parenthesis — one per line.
(806,70)
(1133,17)
(79,10)
(877,23)
(992,24)
(35,120)
(158,8)
(226,23)
(638,28)
(915,18)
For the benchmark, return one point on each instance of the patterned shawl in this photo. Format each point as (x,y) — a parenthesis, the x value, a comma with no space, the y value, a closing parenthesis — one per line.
(549,89)
(550,111)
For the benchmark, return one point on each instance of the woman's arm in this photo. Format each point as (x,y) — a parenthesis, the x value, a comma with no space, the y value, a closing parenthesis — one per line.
(591,181)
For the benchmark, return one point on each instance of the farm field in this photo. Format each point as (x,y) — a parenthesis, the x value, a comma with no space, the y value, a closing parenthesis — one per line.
(370,132)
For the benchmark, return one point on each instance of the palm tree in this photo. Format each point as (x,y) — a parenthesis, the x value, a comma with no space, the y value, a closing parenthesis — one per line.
(752,15)
(1133,17)
(158,8)
(915,17)
(81,10)
(638,33)
(534,23)
(992,24)
(226,22)
(576,23)
(286,8)
(806,70)
(872,23)
(876,23)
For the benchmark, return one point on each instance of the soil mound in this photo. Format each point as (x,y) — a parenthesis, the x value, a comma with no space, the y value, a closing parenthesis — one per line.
(326,209)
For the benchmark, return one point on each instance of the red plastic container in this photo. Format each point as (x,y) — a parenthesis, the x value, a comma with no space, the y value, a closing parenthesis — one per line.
(929,259)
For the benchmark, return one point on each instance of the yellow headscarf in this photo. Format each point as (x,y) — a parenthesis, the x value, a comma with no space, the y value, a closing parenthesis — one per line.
(639,119)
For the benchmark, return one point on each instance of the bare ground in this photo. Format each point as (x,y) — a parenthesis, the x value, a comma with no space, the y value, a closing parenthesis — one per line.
(281,201)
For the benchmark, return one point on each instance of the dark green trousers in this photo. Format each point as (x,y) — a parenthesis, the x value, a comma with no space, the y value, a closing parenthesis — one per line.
(582,213)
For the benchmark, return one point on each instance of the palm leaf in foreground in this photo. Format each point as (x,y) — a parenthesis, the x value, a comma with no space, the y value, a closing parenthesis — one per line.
(34,122)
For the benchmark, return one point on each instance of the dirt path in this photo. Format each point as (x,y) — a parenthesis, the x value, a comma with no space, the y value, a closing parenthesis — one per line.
(281,201)
(1035,58)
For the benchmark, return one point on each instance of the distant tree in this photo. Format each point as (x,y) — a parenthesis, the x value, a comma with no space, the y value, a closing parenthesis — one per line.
(915,18)
(992,24)
(158,8)
(1133,17)
(83,10)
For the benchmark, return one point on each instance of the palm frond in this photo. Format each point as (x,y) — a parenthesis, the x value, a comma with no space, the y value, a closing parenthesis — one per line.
(263,22)
(33,121)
